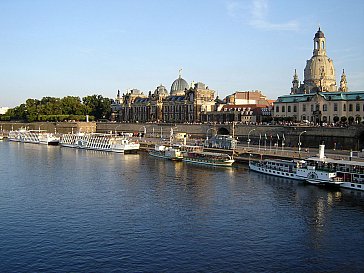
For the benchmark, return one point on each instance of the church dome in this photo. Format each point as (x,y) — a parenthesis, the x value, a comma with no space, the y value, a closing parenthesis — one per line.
(319,74)
(161,91)
(178,87)
(319,34)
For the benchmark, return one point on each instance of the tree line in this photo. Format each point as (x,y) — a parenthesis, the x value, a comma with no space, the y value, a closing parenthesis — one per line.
(60,109)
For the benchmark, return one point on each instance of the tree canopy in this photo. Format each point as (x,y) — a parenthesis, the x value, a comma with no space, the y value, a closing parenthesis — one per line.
(60,109)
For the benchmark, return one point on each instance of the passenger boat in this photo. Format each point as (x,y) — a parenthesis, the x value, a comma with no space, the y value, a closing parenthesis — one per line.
(344,173)
(33,136)
(99,142)
(171,153)
(195,154)
(283,168)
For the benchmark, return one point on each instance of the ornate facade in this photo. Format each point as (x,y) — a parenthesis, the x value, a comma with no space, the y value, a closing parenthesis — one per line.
(182,104)
(318,99)
(319,73)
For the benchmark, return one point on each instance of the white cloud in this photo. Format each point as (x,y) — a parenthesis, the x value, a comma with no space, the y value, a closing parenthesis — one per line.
(255,14)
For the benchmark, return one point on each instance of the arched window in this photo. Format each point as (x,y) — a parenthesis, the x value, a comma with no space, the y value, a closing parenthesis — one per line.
(350,107)
(283,109)
(335,107)
(277,109)
(323,44)
(324,107)
(344,107)
(357,107)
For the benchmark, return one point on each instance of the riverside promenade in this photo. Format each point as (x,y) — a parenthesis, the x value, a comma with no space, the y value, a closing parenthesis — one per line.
(243,153)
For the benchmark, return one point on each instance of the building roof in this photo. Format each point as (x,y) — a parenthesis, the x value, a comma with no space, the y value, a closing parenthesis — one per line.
(319,34)
(332,96)
(178,86)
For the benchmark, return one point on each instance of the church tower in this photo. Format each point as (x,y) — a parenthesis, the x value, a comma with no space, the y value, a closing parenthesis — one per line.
(295,84)
(319,74)
(343,83)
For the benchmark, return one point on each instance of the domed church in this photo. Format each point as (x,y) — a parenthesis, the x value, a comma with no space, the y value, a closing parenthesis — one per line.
(319,73)
(317,99)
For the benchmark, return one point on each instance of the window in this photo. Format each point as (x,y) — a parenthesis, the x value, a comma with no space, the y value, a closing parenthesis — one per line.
(277,109)
(311,108)
(317,107)
(304,107)
(324,107)
(344,107)
(350,107)
(289,108)
(283,109)
(335,107)
(357,107)
(294,108)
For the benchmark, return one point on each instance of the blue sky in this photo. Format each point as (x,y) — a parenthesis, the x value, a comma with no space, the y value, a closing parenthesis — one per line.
(79,48)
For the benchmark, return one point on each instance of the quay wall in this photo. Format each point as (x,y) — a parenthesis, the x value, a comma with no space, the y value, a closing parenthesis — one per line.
(348,138)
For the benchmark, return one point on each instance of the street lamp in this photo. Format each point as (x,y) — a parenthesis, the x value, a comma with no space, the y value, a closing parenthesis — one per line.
(144,130)
(299,143)
(249,135)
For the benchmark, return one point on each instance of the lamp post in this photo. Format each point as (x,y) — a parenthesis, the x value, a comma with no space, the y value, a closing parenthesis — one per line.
(249,136)
(144,131)
(299,143)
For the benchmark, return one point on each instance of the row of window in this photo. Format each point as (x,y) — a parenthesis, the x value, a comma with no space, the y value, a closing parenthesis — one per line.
(317,108)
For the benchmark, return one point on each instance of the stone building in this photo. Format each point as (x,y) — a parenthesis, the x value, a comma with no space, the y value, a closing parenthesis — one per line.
(318,99)
(245,107)
(182,104)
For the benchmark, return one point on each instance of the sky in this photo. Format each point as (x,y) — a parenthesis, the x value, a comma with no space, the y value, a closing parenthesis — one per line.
(85,47)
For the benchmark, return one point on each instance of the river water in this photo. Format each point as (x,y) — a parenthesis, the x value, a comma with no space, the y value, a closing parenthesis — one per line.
(67,210)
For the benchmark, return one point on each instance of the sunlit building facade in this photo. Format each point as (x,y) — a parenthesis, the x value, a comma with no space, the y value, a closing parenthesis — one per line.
(318,99)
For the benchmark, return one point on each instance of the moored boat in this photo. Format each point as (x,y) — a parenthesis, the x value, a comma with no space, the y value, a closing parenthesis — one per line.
(277,167)
(208,158)
(343,173)
(171,153)
(33,136)
(99,142)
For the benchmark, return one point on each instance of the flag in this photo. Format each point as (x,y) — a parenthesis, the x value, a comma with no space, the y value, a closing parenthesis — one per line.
(277,136)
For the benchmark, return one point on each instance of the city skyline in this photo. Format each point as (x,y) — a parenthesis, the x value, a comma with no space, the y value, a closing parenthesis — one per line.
(81,48)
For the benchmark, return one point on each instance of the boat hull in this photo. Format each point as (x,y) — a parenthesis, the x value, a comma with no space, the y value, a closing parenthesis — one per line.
(279,173)
(227,163)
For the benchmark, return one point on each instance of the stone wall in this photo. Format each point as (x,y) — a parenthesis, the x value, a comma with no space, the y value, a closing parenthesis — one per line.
(333,137)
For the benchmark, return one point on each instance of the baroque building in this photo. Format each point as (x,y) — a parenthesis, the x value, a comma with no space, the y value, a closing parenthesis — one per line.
(318,99)
(184,103)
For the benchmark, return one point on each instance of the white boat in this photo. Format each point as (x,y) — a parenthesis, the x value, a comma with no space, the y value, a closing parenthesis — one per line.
(344,173)
(33,136)
(99,142)
(282,168)
(171,153)
(196,155)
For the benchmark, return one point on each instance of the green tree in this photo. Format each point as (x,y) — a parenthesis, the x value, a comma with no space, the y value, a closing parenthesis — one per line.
(97,106)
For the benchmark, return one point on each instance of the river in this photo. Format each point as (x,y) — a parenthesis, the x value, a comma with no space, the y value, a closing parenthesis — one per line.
(68,210)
